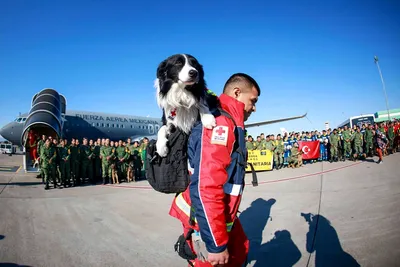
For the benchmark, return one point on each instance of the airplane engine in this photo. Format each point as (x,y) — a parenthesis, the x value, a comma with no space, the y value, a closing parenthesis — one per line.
(46,116)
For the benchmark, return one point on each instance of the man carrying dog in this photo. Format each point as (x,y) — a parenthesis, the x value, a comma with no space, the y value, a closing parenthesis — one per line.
(208,207)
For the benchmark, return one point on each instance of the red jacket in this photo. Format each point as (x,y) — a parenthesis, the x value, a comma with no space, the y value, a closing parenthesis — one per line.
(217,179)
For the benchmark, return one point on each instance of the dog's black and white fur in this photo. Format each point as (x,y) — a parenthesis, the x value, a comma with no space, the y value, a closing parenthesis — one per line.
(182,95)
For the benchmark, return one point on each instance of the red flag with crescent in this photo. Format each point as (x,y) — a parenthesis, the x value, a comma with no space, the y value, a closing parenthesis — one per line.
(310,149)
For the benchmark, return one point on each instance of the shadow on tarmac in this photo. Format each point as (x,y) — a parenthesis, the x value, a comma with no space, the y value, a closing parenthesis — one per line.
(323,239)
(280,251)
(22,183)
(7,264)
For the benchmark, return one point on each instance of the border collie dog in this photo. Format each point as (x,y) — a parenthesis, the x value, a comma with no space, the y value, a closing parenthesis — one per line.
(183,96)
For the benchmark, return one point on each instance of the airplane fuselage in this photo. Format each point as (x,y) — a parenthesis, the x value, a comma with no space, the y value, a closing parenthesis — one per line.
(93,125)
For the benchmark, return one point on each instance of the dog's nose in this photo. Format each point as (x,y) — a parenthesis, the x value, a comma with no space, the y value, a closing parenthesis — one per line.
(192,73)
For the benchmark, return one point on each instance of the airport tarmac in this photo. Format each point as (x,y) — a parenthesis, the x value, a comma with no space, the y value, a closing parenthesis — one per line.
(128,224)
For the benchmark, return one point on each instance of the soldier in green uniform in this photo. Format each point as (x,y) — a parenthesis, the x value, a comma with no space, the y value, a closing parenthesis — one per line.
(368,138)
(347,142)
(390,136)
(74,162)
(143,155)
(258,144)
(57,162)
(121,159)
(40,145)
(48,156)
(294,155)
(358,144)
(250,143)
(106,154)
(334,141)
(64,154)
(137,161)
(96,159)
(86,161)
(278,152)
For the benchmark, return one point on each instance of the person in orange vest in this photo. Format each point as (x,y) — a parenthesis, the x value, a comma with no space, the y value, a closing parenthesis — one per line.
(208,207)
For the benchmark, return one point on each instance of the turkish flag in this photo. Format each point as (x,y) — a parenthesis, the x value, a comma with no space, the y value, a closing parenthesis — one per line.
(310,149)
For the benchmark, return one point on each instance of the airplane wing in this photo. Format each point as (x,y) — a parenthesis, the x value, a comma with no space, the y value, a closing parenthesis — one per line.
(273,121)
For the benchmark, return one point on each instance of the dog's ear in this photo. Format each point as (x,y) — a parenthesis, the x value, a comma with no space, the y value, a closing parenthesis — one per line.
(162,70)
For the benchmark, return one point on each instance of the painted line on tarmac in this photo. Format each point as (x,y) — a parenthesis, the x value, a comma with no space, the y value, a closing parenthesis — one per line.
(307,175)
(260,183)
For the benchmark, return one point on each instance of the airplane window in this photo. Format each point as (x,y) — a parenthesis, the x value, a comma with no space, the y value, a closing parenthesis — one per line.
(122,126)
(102,125)
(24,119)
(19,119)
(117,125)
(112,125)
(97,124)
(94,124)
(108,125)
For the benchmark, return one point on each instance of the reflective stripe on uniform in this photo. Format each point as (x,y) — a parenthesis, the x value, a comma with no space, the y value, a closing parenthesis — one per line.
(233,189)
(185,208)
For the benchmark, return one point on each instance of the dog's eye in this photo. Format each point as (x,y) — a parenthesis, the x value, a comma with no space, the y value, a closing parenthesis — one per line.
(179,62)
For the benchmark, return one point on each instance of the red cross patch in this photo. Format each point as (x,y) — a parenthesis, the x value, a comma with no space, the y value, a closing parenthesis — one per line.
(220,135)
(172,114)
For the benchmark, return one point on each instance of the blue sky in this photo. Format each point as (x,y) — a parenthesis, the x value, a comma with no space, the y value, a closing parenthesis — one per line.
(307,56)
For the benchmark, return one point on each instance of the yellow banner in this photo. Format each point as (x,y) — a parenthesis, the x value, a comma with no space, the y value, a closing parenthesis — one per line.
(262,160)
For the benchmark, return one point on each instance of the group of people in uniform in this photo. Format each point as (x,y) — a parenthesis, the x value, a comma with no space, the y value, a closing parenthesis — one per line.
(75,164)
(356,143)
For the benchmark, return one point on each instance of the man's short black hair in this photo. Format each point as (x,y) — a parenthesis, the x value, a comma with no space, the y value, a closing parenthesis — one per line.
(244,78)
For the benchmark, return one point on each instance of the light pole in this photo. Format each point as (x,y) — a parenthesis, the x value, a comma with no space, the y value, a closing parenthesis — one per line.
(383,85)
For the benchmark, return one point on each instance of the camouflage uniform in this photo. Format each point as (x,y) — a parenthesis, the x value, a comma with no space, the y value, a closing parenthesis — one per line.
(106,153)
(48,155)
(65,170)
(86,161)
(74,163)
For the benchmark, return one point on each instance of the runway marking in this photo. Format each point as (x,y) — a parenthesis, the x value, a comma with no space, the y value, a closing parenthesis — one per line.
(307,175)
(260,183)
(9,168)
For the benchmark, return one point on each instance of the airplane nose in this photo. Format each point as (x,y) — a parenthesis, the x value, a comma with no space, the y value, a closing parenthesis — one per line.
(5,132)
(2,131)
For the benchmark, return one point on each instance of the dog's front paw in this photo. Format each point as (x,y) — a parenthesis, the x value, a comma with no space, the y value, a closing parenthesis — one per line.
(161,146)
(208,121)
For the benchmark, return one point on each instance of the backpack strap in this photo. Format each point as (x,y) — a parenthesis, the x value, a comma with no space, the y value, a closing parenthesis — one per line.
(238,149)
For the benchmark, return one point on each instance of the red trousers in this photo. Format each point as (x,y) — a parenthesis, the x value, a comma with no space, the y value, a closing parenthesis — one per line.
(238,247)
(379,151)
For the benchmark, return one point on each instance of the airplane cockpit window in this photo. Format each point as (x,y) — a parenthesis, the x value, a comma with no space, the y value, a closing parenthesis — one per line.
(23,119)
(19,119)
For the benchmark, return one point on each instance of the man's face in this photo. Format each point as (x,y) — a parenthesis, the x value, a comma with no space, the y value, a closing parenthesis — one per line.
(84,142)
(249,98)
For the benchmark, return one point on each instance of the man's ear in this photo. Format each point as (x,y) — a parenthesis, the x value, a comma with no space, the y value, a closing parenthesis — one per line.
(236,92)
